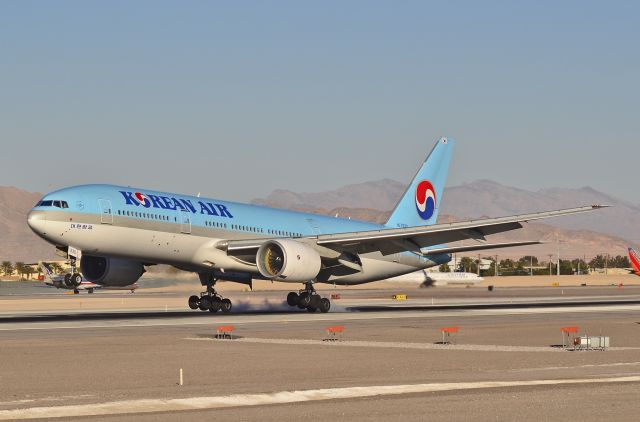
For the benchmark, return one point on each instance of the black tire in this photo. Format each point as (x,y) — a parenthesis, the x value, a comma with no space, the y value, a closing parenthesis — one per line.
(325,305)
(216,304)
(205,303)
(304,300)
(315,301)
(67,280)
(76,279)
(292,299)
(311,309)
(194,302)
(226,306)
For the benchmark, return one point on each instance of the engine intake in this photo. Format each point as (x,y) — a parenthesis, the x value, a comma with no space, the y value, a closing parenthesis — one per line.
(288,260)
(110,271)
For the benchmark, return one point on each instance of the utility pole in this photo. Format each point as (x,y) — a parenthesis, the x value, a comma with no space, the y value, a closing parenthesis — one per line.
(550,263)
(531,267)
(558,258)
(495,270)
(606,264)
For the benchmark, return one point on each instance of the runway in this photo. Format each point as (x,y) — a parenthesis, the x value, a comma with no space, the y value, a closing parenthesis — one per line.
(505,363)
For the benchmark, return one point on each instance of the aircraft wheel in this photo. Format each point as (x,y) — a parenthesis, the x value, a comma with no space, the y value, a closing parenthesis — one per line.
(216,303)
(311,308)
(205,303)
(226,306)
(75,279)
(292,299)
(304,300)
(194,302)
(315,301)
(325,305)
(67,280)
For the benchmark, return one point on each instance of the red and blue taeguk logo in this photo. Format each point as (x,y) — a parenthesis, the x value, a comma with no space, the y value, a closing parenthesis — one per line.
(143,199)
(425,200)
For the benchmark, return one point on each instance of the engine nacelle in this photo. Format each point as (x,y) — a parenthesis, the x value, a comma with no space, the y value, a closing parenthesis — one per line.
(288,260)
(110,271)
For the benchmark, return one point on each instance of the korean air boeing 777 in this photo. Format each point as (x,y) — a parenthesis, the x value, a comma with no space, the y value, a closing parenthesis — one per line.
(120,230)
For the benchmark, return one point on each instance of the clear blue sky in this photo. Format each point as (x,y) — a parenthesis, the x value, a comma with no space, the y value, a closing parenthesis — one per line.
(235,99)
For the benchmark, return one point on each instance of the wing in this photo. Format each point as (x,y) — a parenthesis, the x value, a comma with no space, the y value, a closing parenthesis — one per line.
(389,241)
(417,239)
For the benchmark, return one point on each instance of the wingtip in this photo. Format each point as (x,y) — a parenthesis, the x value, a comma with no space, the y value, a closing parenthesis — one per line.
(598,206)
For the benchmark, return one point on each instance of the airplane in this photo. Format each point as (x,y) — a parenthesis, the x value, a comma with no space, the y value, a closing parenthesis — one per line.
(436,279)
(73,281)
(120,230)
(635,261)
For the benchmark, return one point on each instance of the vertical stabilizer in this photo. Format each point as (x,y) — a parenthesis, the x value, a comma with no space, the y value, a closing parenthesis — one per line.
(420,203)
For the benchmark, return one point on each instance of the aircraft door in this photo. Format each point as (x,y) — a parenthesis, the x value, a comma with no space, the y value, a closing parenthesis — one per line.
(185,222)
(106,215)
(314,226)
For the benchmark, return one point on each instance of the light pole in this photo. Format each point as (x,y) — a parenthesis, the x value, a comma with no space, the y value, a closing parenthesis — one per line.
(531,267)
(558,257)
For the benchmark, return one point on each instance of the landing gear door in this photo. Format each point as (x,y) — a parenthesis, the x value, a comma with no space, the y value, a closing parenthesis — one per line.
(185,222)
(106,215)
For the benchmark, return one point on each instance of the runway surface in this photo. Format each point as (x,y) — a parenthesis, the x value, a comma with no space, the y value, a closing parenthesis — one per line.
(506,362)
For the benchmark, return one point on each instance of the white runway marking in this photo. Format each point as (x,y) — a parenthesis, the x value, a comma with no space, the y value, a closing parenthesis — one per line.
(394,345)
(305,317)
(282,397)
(400,345)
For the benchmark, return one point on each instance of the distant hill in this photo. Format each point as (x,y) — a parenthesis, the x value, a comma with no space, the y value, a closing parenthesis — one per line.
(17,241)
(379,195)
(487,198)
(482,198)
(609,230)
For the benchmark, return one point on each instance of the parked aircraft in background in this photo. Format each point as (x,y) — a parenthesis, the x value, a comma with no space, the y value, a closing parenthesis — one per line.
(635,261)
(74,281)
(121,229)
(437,279)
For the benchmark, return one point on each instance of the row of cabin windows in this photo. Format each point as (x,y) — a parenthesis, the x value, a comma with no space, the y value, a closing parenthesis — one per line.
(210,223)
(215,224)
(269,231)
(284,233)
(145,215)
(247,228)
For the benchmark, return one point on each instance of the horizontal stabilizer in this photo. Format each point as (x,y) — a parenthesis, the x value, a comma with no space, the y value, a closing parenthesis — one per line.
(479,247)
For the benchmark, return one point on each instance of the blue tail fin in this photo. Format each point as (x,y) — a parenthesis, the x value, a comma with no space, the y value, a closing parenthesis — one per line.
(419,204)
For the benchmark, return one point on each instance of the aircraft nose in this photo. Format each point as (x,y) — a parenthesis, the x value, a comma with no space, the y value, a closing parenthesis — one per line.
(37,221)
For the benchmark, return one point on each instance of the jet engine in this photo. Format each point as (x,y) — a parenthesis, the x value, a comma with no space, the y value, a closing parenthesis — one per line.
(110,271)
(288,260)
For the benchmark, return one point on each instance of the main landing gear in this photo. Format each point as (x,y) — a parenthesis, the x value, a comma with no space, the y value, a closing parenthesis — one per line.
(308,298)
(209,300)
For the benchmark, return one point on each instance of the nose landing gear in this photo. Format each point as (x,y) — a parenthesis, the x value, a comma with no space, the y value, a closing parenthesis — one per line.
(210,300)
(308,298)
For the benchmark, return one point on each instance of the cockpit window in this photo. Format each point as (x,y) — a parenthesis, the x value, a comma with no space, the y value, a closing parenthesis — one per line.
(57,204)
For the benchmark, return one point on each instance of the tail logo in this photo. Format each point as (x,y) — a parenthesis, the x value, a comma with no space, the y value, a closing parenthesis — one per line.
(143,199)
(425,200)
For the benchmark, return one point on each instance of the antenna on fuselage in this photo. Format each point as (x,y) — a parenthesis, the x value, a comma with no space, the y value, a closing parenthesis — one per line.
(198,195)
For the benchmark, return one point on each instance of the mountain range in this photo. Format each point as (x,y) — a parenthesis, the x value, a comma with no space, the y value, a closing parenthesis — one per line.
(605,231)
